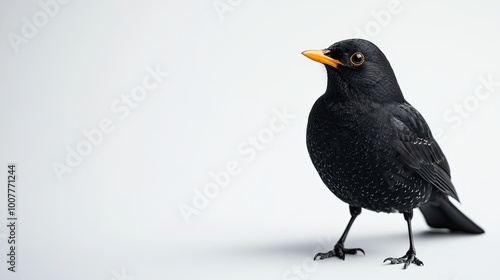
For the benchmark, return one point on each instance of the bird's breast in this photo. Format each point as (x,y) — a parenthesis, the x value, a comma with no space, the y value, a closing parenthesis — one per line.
(354,157)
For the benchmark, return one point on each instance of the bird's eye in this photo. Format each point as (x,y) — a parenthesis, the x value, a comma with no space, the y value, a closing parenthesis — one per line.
(357,59)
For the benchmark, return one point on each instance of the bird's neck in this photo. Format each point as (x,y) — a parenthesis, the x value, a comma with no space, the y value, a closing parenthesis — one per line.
(382,92)
(336,91)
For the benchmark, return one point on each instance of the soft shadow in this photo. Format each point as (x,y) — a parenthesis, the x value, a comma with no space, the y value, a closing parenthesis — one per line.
(299,247)
(371,243)
(442,233)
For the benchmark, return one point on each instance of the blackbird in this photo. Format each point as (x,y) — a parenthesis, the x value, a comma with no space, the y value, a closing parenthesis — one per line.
(374,150)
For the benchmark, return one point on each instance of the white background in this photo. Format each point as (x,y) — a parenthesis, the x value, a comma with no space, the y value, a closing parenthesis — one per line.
(117,214)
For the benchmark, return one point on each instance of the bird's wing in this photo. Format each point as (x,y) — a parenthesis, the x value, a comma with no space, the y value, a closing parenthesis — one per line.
(418,149)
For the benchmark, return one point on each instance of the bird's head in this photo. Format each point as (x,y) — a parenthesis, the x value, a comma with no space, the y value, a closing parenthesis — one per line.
(356,68)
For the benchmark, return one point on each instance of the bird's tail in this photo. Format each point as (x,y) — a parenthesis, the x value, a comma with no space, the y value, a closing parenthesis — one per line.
(439,212)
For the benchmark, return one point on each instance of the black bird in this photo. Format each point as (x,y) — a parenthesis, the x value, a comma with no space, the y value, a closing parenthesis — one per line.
(373,150)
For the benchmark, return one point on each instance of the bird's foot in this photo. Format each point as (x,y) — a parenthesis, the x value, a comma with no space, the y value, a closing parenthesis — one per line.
(338,251)
(407,259)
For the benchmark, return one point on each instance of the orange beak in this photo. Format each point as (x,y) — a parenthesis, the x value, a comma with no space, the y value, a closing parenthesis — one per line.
(320,56)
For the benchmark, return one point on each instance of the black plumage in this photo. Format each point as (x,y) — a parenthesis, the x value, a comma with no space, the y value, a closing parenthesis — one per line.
(373,150)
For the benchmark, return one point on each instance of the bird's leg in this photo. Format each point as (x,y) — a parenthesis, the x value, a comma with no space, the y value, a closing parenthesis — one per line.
(339,250)
(410,256)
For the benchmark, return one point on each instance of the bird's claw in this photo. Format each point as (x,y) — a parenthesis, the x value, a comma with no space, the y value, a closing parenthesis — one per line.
(407,259)
(339,251)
